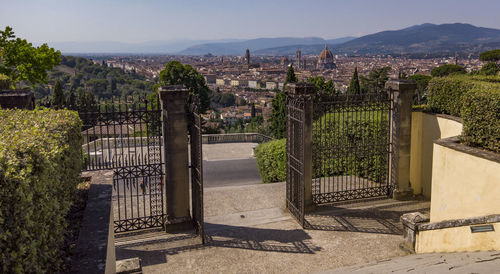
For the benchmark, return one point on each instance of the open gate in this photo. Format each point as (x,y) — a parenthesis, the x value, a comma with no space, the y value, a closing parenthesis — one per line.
(196,164)
(351,147)
(295,182)
(125,136)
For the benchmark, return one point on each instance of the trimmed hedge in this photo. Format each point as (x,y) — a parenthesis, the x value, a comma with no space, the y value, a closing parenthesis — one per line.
(481,117)
(474,98)
(4,81)
(271,160)
(40,164)
(445,94)
(343,132)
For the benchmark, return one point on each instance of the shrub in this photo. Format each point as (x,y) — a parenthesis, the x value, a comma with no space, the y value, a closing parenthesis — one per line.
(343,132)
(40,163)
(445,94)
(271,160)
(490,69)
(481,117)
(5,82)
(448,69)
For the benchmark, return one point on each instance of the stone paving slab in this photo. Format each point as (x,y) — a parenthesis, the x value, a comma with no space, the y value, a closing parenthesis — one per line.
(467,262)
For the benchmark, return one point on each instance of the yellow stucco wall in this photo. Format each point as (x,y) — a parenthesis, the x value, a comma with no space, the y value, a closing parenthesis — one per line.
(463,185)
(457,239)
(425,129)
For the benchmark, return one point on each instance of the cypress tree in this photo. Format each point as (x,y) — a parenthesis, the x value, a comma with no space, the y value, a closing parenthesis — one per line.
(252,110)
(290,76)
(58,96)
(354,87)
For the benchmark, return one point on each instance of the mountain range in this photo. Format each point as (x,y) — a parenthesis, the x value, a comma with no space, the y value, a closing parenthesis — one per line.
(425,39)
(419,39)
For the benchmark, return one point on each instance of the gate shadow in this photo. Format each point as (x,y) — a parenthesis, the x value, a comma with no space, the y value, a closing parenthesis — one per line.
(156,251)
(378,220)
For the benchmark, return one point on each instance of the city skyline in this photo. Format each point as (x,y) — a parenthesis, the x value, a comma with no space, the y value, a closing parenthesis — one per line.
(134,22)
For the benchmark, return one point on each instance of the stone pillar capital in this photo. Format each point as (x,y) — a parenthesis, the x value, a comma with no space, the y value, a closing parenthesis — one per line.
(296,89)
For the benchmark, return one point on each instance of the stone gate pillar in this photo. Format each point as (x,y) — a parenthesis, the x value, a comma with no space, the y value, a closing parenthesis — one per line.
(175,150)
(402,91)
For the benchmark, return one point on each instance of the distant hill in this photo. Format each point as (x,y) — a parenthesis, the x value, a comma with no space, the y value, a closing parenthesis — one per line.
(419,39)
(150,47)
(238,48)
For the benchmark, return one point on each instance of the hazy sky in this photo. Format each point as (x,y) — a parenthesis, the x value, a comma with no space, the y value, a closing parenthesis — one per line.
(146,20)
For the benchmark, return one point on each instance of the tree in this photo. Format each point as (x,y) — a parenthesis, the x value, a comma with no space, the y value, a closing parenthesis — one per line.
(20,61)
(447,69)
(278,116)
(290,76)
(175,73)
(71,100)
(278,108)
(58,96)
(375,82)
(490,56)
(354,87)
(422,84)
(490,69)
(252,110)
(322,86)
(227,99)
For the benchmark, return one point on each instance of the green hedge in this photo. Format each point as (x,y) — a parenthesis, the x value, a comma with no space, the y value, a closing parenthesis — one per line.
(481,117)
(4,81)
(445,94)
(40,164)
(271,160)
(337,145)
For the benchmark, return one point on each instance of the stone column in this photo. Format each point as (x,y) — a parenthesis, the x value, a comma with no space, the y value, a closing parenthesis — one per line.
(175,150)
(401,136)
(307,91)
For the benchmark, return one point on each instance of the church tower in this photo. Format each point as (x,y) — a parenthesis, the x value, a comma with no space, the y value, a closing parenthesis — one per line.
(247,57)
(298,59)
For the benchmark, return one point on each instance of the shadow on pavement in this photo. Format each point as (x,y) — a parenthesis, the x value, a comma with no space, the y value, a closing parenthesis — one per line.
(156,251)
(380,220)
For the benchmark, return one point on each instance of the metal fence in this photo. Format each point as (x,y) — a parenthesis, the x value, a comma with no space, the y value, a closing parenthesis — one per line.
(125,136)
(351,147)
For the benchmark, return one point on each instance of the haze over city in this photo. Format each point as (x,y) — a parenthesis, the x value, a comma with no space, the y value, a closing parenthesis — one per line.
(151,20)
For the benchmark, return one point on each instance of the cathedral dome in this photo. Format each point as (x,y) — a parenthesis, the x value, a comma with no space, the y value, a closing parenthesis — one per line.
(326,54)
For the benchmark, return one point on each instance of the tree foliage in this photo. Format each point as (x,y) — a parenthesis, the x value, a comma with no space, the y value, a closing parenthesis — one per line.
(290,76)
(354,87)
(422,84)
(447,69)
(58,100)
(175,73)
(375,82)
(490,56)
(322,86)
(21,61)
(490,69)
(278,116)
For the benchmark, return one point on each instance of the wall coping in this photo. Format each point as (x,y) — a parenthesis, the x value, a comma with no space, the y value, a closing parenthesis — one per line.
(95,250)
(454,143)
(445,116)
(495,218)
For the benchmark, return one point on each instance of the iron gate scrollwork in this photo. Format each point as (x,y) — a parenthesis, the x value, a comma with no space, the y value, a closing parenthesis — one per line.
(351,147)
(196,166)
(295,184)
(125,136)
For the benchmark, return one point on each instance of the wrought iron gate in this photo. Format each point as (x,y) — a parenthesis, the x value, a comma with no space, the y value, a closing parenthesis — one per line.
(351,147)
(196,166)
(125,136)
(295,184)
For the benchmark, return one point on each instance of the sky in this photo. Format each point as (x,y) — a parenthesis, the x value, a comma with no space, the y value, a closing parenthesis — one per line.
(154,20)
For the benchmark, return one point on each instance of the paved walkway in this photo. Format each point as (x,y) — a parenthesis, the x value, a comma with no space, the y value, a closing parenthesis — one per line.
(467,262)
(248,231)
